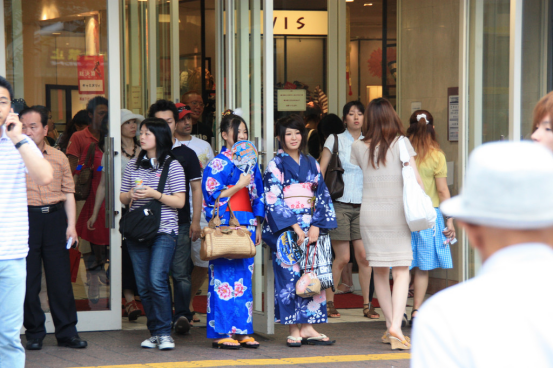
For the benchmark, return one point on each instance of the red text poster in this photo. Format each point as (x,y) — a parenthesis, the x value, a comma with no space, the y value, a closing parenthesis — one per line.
(90,73)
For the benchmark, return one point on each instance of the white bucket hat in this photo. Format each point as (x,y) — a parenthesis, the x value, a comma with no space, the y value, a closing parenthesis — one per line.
(127,115)
(507,185)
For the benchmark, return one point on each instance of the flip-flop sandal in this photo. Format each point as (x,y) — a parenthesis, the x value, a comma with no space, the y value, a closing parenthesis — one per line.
(221,344)
(317,340)
(244,343)
(194,318)
(296,344)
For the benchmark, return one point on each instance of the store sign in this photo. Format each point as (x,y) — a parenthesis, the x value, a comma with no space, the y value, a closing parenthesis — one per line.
(291,100)
(90,74)
(299,22)
(453,115)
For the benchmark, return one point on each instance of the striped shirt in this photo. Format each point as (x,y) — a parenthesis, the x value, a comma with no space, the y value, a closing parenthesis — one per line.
(175,184)
(14,221)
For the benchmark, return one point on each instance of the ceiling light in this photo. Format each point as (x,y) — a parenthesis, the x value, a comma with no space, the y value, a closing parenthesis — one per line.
(56,33)
(368,4)
(349,1)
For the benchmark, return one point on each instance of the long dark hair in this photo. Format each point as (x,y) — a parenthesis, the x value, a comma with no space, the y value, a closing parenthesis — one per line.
(81,118)
(293,121)
(422,134)
(164,142)
(330,124)
(381,127)
(232,121)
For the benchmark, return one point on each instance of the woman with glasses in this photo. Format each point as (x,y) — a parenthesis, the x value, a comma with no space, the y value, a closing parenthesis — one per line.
(151,262)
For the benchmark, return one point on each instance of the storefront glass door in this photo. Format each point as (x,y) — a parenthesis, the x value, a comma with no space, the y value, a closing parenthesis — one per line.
(59,55)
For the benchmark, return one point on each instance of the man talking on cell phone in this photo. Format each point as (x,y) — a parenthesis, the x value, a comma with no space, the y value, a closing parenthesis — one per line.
(52,218)
(18,155)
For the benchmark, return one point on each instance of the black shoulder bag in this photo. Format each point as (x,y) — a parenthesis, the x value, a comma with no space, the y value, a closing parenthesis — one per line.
(142,224)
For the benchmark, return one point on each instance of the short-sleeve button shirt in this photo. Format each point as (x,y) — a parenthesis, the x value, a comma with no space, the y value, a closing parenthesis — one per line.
(79,143)
(14,218)
(43,195)
(353,176)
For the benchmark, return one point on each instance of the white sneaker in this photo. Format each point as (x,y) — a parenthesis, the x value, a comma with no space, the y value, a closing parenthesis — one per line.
(150,343)
(165,342)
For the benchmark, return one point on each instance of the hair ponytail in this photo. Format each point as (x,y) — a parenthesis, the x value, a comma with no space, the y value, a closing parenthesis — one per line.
(422,134)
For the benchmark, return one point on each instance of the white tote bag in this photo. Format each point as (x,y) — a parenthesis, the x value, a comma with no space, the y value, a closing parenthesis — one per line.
(418,206)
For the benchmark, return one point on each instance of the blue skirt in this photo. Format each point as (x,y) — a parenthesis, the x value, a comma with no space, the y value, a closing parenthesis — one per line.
(429,249)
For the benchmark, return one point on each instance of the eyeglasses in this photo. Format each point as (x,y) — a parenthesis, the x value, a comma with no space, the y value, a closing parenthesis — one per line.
(5,103)
(197,104)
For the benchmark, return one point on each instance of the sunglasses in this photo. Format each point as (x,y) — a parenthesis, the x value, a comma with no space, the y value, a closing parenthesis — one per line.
(183,108)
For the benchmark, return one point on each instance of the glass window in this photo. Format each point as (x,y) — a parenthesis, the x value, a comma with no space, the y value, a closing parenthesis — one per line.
(56,55)
(367,76)
(489,71)
(536,63)
(301,57)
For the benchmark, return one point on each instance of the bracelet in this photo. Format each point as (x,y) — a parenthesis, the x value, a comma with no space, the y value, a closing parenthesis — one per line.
(161,195)
(21,143)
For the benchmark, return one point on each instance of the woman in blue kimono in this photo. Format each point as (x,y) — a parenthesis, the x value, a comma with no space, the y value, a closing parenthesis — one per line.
(230,302)
(291,183)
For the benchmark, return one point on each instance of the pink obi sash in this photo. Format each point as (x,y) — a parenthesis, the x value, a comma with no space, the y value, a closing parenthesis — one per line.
(299,196)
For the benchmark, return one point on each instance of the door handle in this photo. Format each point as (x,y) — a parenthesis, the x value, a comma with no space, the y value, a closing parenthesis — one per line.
(110,184)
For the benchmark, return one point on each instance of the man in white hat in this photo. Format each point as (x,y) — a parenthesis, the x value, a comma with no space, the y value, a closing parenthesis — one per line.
(506,208)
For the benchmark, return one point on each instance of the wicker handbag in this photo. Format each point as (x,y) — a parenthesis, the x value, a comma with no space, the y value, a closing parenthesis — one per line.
(232,242)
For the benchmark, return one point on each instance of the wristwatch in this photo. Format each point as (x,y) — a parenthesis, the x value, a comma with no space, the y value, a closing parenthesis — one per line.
(21,143)
(446,218)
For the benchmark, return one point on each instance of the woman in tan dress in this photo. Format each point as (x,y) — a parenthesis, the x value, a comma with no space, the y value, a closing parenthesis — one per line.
(385,233)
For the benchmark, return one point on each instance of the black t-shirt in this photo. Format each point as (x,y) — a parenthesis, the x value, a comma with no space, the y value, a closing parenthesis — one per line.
(201,131)
(191,165)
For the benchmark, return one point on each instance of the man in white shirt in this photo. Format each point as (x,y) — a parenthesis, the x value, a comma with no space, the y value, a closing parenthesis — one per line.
(18,155)
(183,133)
(506,208)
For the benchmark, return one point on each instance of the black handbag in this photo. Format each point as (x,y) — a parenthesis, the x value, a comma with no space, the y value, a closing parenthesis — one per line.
(142,224)
(333,174)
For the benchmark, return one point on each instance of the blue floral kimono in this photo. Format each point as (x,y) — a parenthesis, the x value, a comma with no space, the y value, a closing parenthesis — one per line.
(230,289)
(288,192)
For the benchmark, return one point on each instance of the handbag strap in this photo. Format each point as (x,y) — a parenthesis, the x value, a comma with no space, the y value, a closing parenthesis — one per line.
(90,154)
(165,173)
(216,221)
(404,156)
(336,145)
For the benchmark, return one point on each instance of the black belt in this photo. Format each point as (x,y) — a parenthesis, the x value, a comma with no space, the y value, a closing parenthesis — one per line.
(46,209)
(355,205)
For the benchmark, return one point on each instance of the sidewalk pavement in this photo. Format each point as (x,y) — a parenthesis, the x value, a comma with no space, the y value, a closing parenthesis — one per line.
(358,345)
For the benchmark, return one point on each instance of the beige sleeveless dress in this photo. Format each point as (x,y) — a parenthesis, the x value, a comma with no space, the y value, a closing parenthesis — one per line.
(385,233)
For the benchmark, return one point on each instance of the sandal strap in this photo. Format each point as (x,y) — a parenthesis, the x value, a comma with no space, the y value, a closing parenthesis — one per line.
(248,339)
(228,339)
(294,338)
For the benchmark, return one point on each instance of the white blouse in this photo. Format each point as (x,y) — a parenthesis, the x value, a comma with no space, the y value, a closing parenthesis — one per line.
(353,176)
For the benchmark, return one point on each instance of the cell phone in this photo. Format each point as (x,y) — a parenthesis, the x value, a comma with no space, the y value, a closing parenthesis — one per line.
(70,243)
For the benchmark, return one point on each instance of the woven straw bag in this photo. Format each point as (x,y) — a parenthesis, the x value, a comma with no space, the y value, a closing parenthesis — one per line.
(232,242)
